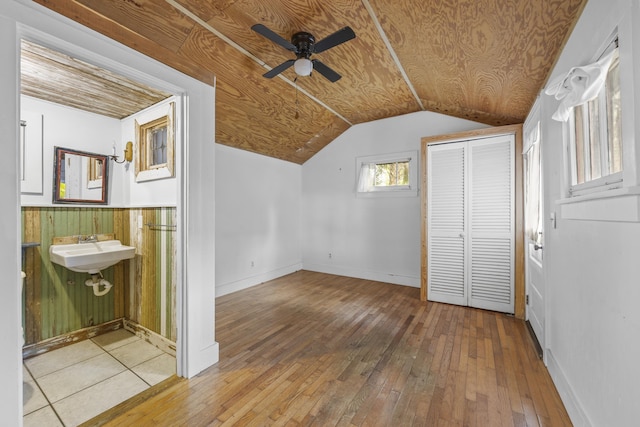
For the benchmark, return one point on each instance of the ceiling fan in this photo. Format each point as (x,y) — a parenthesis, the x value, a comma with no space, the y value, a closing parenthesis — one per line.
(304,44)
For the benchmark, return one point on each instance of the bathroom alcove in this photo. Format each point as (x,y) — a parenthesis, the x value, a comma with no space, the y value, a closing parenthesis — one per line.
(196,347)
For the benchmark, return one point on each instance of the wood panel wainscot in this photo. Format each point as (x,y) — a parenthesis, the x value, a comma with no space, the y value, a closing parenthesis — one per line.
(55,300)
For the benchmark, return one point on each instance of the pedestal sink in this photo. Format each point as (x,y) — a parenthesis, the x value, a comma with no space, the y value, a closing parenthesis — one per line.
(90,257)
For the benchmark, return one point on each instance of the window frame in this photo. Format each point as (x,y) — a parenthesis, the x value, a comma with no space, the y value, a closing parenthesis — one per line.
(145,170)
(619,203)
(603,183)
(365,190)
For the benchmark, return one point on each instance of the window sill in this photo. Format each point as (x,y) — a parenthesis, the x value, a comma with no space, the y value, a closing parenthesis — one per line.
(396,193)
(153,174)
(619,205)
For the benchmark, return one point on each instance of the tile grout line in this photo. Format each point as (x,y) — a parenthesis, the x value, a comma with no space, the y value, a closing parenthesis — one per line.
(126,367)
(49,404)
(105,350)
(131,368)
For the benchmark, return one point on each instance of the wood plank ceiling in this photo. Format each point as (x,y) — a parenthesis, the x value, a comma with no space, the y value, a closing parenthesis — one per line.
(483,60)
(56,77)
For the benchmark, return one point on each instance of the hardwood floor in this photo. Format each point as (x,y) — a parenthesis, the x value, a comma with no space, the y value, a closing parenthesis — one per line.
(316,349)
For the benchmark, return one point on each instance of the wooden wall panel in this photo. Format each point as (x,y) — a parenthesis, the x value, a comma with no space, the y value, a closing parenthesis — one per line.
(121,270)
(148,278)
(152,296)
(32,301)
(56,300)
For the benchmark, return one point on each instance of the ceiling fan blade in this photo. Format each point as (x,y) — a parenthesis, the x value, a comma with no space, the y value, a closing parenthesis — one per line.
(327,72)
(334,39)
(264,31)
(278,69)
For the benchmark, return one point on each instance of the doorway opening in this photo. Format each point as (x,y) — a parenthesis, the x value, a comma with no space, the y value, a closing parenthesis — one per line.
(124,341)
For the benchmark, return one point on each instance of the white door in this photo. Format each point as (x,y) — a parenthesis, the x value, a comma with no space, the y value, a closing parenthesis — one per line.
(470,223)
(492,226)
(447,224)
(534,229)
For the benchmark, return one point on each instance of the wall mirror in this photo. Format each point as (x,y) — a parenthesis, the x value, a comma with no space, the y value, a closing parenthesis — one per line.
(80,177)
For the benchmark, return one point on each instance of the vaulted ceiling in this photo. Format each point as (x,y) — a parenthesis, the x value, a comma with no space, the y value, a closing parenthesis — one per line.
(483,60)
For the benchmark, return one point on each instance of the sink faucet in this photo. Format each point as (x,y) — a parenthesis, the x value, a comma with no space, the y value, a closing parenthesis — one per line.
(87,239)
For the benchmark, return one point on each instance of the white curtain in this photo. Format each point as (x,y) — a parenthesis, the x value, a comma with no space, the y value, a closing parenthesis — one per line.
(579,85)
(366,178)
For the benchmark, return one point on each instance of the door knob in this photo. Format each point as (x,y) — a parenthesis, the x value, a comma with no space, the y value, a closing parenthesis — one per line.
(536,247)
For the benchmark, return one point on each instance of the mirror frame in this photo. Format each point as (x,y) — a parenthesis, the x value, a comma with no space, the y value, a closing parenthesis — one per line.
(58,161)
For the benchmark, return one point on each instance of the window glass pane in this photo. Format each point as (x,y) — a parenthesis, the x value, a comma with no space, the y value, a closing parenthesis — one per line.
(597,133)
(159,146)
(579,145)
(614,123)
(403,173)
(382,177)
(595,170)
(391,174)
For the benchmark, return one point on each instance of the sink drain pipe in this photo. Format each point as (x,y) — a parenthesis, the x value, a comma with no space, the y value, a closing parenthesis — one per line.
(96,281)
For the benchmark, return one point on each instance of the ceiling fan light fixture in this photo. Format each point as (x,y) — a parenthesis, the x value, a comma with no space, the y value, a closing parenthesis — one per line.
(303,66)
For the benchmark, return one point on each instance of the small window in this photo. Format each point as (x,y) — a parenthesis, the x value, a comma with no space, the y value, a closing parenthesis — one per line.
(595,138)
(155,147)
(385,175)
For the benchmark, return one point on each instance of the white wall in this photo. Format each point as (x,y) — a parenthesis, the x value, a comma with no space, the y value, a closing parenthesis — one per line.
(257,218)
(592,268)
(77,130)
(80,130)
(370,238)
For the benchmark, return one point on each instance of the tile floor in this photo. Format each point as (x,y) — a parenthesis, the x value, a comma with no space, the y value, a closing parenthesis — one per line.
(73,384)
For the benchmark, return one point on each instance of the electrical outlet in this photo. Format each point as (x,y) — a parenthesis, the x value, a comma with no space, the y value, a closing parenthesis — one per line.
(252,264)
(330,256)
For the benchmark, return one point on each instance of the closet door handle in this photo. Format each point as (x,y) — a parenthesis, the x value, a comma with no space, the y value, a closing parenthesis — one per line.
(536,247)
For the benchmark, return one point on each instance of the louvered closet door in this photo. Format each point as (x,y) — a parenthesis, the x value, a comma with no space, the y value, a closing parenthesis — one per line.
(491,242)
(470,223)
(446,225)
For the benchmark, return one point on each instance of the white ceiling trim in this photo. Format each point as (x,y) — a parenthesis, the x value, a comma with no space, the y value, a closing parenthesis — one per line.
(386,41)
(245,52)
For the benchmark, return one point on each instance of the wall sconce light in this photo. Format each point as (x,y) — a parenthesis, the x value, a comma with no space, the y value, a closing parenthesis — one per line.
(128,153)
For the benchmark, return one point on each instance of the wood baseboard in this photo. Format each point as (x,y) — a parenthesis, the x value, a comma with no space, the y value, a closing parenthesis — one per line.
(55,343)
(151,337)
